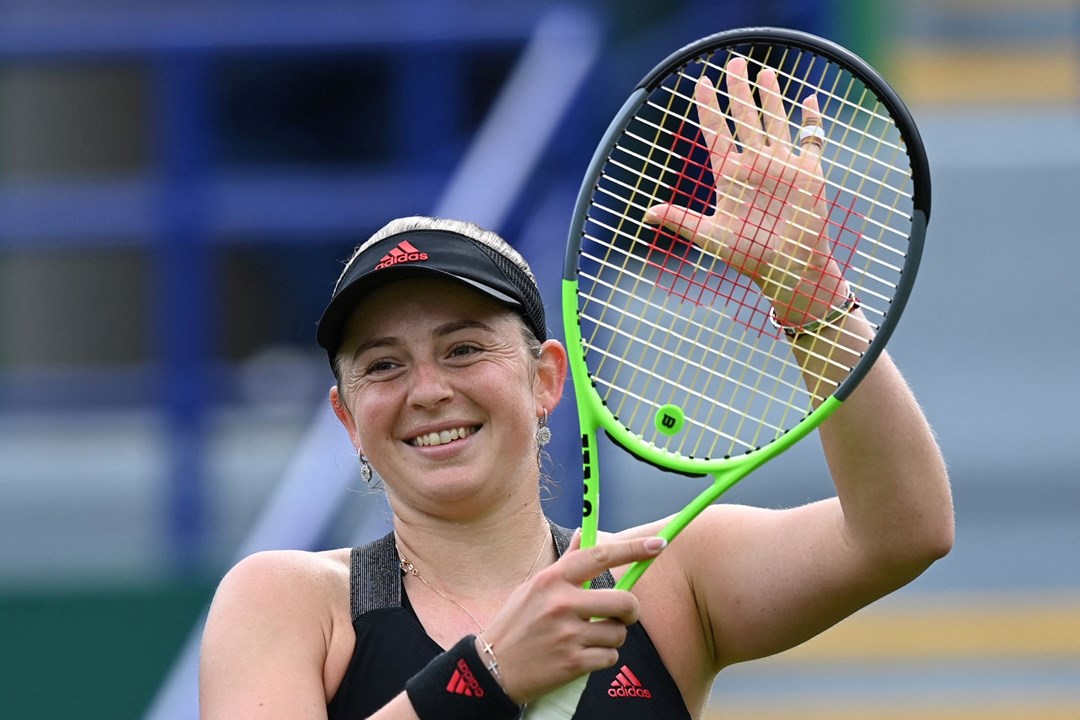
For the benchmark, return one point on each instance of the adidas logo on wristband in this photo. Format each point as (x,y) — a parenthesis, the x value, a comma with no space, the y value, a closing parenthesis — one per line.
(449,689)
(464,682)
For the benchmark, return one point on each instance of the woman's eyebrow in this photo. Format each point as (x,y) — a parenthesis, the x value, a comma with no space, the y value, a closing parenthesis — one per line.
(384,341)
(452,327)
(440,331)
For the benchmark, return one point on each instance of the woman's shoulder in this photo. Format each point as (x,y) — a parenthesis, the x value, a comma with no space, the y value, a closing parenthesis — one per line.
(287,579)
(302,565)
(279,612)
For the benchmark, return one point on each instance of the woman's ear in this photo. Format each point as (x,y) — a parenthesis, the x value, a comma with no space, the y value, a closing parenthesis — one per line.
(345,417)
(550,374)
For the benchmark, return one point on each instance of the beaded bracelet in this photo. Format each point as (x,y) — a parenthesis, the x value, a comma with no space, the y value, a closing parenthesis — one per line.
(850,304)
(454,686)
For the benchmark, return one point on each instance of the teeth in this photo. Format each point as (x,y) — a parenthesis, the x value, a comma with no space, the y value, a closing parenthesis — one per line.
(441,438)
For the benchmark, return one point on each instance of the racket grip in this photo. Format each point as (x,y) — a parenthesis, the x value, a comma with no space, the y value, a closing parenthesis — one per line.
(559,704)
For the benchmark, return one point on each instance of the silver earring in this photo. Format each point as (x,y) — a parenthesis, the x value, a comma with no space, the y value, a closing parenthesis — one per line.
(543,432)
(365,469)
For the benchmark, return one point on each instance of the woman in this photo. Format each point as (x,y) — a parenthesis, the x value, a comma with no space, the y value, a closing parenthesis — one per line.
(473,606)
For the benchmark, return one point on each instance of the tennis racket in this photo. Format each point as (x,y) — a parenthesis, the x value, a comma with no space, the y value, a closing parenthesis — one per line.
(742,247)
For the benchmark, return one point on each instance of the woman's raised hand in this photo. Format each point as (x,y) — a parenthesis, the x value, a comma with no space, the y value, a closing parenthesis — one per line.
(769,222)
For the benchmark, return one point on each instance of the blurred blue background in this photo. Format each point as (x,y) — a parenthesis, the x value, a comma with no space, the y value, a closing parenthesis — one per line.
(179,181)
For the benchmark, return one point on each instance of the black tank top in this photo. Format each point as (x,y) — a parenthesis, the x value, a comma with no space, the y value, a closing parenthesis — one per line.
(391,647)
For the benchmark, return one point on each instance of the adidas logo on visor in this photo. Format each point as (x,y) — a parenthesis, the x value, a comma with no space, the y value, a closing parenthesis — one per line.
(403,253)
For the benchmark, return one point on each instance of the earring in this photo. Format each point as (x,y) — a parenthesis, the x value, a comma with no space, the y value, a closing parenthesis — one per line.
(365,469)
(543,432)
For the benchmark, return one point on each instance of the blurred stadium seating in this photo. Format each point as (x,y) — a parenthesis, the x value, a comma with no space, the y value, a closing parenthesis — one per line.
(177,181)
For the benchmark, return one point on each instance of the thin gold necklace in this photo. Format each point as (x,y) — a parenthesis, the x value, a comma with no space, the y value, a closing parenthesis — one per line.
(409,569)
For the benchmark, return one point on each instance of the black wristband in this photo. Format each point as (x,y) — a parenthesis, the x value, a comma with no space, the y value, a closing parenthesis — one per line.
(457,686)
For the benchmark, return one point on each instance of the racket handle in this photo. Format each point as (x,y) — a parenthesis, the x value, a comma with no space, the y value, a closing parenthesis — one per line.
(559,704)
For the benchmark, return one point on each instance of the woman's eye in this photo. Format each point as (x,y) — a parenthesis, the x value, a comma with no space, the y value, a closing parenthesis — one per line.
(379,366)
(463,350)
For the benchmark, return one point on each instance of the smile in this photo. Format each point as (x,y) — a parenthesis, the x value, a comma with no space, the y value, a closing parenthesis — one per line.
(441,438)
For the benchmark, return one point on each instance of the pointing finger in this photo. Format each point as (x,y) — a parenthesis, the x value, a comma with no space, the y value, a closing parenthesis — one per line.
(575,541)
(583,565)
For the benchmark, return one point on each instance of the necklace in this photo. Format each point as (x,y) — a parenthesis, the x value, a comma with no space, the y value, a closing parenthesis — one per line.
(409,569)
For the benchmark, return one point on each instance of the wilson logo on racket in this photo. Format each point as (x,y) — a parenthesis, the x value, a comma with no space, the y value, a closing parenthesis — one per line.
(670,419)
(626,685)
(463,682)
(403,253)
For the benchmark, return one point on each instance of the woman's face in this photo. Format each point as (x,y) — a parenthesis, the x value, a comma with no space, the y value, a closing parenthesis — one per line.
(441,394)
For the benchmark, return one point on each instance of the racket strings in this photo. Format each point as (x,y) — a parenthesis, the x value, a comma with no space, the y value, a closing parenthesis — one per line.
(847,167)
(663,350)
(640,207)
(703,425)
(665,322)
(648,303)
(836,105)
(899,236)
(872,115)
(639,178)
(880,186)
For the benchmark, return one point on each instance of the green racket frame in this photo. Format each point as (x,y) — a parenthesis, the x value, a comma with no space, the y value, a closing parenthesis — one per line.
(592,411)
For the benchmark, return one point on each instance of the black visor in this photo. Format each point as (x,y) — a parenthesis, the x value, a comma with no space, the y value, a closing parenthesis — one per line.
(431,252)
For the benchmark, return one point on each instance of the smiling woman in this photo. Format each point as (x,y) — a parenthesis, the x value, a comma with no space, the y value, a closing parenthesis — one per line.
(441,395)
(445,379)
(474,607)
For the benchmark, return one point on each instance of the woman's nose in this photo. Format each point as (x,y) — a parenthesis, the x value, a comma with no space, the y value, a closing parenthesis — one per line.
(429,385)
